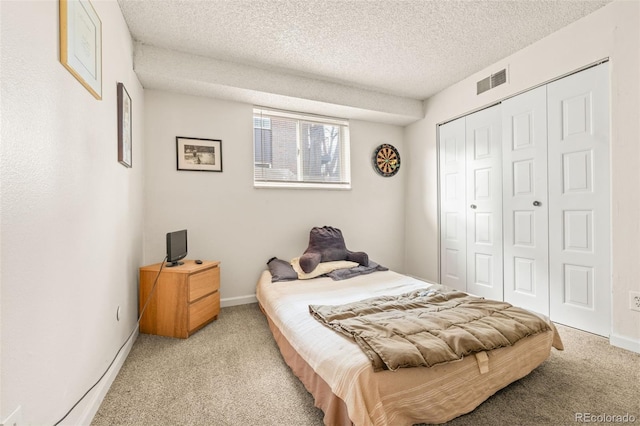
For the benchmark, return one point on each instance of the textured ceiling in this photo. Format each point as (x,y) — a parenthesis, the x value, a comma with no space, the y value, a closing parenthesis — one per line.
(365,55)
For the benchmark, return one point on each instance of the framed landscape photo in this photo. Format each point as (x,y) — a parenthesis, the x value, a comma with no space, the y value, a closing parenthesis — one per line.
(204,155)
(81,43)
(124,126)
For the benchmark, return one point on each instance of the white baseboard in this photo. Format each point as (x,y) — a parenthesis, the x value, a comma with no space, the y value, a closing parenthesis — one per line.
(98,393)
(422,279)
(625,343)
(240,300)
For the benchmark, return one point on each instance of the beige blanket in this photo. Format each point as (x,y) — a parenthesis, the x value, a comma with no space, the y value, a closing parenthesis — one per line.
(424,328)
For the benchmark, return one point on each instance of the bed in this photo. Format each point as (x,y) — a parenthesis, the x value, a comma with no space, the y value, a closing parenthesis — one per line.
(340,376)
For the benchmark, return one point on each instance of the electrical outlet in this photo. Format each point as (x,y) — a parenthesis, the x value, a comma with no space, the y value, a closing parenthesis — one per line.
(634,300)
(14,419)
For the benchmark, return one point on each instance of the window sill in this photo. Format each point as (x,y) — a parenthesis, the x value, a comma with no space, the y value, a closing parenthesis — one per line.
(302,185)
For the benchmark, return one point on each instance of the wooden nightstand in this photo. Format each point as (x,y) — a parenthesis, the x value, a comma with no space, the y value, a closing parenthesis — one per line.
(186,298)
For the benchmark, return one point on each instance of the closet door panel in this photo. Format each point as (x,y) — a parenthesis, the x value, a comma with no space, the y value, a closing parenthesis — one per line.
(484,203)
(524,197)
(579,213)
(453,234)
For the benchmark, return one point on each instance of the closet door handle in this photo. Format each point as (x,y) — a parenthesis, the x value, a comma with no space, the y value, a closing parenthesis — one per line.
(473,206)
(537,203)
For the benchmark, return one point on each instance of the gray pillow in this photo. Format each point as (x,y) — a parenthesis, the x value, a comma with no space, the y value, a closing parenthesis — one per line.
(326,244)
(281,270)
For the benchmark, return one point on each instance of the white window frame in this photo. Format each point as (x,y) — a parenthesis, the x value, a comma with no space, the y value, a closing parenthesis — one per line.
(299,184)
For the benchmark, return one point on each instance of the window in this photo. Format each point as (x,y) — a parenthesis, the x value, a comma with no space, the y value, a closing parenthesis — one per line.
(299,151)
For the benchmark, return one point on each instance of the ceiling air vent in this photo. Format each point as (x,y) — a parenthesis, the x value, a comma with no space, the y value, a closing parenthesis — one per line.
(499,78)
(484,85)
(492,81)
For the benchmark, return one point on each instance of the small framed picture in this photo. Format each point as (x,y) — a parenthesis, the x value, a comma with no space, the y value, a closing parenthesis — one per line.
(204,155)
(124,126)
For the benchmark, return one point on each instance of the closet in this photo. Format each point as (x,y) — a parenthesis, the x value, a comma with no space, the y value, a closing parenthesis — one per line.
(524,201)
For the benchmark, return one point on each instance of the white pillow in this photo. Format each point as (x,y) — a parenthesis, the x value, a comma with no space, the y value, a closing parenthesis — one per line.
(322,268)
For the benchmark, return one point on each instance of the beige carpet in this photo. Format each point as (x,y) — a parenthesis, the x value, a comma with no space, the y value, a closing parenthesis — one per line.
(231,373)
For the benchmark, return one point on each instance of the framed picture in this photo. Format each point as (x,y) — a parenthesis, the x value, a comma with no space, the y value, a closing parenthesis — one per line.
(203,155)
(81,43)
(124,126)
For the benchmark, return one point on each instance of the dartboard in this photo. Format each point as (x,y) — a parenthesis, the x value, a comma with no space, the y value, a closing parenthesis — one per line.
(386,160)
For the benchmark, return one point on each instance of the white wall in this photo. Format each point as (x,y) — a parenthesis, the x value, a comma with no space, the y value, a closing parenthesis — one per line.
(71,215)
(231,221)
(609,32)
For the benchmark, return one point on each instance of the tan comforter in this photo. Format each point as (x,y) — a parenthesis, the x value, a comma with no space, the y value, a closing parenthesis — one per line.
(424,328)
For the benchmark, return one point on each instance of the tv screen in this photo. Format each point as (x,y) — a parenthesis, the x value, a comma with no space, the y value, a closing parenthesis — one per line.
(176,247)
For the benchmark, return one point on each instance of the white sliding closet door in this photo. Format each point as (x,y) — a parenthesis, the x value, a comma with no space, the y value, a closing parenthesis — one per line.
(525,201)
(524,198)
(453,205)
(579,216)
(484,203)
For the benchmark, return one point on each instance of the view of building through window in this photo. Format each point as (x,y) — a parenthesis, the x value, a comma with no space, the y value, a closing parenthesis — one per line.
(300,150)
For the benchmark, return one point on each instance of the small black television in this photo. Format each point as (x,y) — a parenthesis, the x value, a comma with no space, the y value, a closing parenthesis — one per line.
(176,247)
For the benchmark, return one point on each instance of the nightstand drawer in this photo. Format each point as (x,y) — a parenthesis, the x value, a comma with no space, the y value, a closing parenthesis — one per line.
(204,310)
(203,283)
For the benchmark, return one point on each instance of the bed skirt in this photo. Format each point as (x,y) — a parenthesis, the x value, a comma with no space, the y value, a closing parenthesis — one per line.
(335,410)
